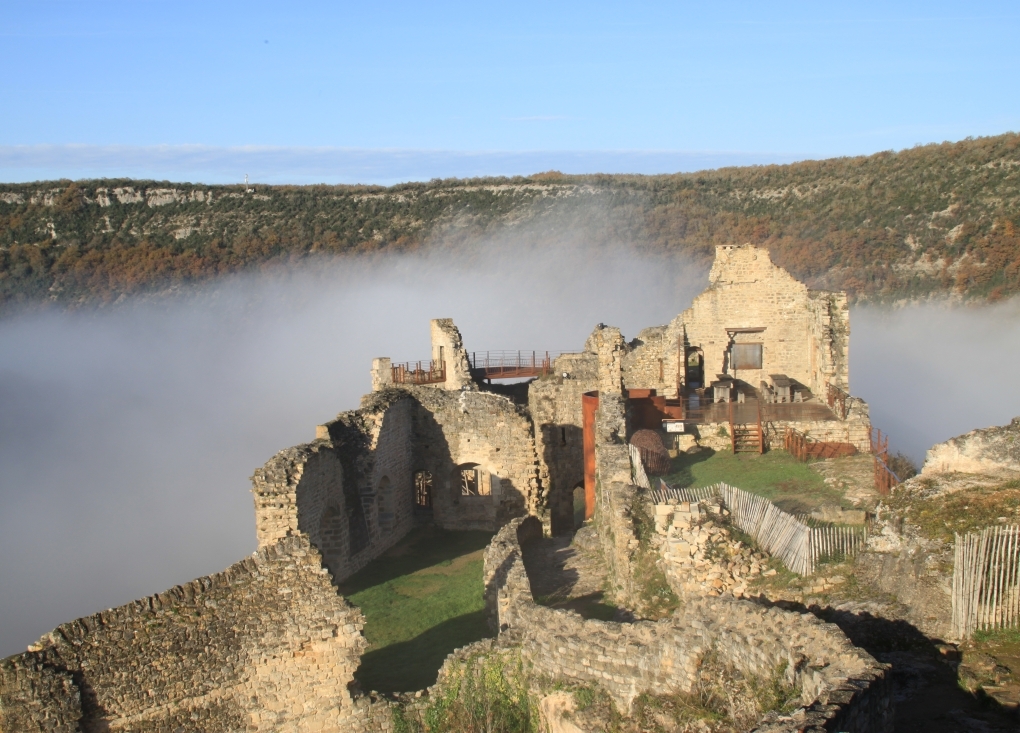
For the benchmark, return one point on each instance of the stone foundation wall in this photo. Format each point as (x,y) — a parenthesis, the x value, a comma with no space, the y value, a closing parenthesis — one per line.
(266,645)
(843,688)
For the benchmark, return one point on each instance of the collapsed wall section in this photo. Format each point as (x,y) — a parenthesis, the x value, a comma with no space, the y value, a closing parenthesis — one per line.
(266,645)
(350,492)
(842,687)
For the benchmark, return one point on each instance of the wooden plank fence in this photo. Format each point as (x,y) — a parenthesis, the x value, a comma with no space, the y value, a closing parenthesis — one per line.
(637,468)
(986,581)
(780,534)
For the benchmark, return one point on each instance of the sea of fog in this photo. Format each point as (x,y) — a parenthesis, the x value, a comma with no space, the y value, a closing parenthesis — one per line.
(127,434)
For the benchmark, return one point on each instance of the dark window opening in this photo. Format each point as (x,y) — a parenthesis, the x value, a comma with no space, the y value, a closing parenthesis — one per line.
(423,490)
(563,436)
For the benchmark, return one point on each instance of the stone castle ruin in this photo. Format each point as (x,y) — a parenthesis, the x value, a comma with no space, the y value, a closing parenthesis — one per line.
(270,645)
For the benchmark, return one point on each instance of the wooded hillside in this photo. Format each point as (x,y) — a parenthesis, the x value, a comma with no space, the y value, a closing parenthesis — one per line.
(937,219)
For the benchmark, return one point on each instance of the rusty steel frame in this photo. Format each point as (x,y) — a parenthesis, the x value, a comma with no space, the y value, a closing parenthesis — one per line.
(509,364)
(885,479)
(836,396)
(415,373)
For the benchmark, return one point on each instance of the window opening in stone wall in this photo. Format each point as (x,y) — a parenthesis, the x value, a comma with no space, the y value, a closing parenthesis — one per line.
(473,481)
(746,356)
(423,490)
(695,372)
(563,436)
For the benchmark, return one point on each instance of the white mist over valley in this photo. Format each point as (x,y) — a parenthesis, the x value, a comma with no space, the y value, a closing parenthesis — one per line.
(127,435)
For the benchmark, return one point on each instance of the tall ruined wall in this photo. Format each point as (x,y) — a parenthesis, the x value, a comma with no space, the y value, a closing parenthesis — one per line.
(843,688)
(654,359)
(266,645)
(555,406)
(448,350)
(350,492)
(615,494)
(805,336)
(452,429)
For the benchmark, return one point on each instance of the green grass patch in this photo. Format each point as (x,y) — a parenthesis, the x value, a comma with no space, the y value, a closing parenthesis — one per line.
(776,475)
(421,600)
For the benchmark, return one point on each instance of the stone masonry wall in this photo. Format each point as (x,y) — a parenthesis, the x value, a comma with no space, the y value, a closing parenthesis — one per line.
(654,359)
(555,406)
(451,429)
(266,645)
(843,688)
(806,333)
(350,492)
(448,349)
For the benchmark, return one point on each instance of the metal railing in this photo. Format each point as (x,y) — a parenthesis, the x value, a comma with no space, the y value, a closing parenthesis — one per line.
(838,400)
(510,364)
(420,372)
(885,479)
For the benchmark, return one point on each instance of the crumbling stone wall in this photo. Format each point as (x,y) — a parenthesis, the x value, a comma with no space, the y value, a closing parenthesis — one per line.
(806,333)
(266,645)
(555,406)
(350,492)
(654,359)
(448,349)
(452,429)
(843,688)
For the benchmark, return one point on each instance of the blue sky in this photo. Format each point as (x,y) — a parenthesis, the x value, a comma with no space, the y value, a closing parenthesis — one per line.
(389,91)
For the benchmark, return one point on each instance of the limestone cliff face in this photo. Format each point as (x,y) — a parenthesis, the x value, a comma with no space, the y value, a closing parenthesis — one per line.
(994,450)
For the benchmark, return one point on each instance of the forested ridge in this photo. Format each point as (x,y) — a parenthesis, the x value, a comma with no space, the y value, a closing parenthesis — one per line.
(932,220)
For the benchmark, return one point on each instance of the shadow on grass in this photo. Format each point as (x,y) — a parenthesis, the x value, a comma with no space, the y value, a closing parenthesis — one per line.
(421,548)
(414,664)
(682,473)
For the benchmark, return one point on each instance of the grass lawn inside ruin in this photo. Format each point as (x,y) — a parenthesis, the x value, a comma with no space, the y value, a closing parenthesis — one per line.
(776,475)
(421,600)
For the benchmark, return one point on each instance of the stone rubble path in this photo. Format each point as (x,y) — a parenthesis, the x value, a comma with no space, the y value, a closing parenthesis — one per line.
(561,571)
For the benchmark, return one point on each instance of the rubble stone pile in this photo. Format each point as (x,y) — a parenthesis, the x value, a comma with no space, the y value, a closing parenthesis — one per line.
(700,555)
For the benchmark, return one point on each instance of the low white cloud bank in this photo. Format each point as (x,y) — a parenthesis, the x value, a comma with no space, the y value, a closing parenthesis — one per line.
(280,165)
(127,436)
(930,372)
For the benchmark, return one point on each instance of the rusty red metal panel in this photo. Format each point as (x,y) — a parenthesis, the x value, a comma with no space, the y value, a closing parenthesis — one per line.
(589,404)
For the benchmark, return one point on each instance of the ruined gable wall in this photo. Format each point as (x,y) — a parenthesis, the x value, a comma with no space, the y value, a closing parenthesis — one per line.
(333,491)
(748,291)
(454,428)
(266,645)
(555,406)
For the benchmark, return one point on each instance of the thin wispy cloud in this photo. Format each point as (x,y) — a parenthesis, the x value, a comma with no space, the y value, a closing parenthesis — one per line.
(385,166)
